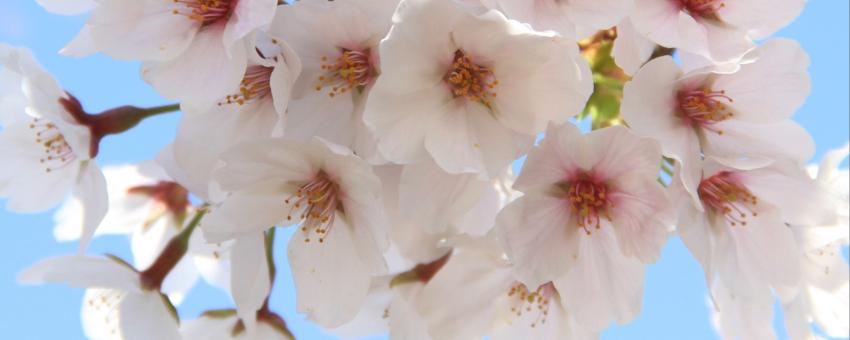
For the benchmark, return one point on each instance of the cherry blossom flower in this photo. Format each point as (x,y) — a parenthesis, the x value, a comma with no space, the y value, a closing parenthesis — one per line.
(591,217)
(194,50)
(332,196)
(251,110)
(717,29)
(468,90)
(225,325)
(49,152)
(738,116)
(340,66)
(575,19)
(116,306)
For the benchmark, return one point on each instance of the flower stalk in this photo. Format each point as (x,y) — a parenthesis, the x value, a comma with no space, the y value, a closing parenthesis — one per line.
(174,251)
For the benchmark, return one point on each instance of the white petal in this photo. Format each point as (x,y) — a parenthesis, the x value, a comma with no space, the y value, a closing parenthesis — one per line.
(82,272)
(642,216)
(82,45)
(744,141)
(91,190)
(761,18)
(555,157)
(67,7)
(245,212)
(146,316)
(249,281)
(246,17)
(631,49)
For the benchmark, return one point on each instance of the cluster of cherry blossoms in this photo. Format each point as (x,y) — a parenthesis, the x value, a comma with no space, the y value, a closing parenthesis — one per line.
(385,131)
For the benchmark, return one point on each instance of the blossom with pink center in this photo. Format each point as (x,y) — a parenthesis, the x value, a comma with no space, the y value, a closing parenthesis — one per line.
(469,91)
(341,64)
(741,117)
(195,50)
(49,153)
(327,192)
(253,108)
(720,30)
(591,216)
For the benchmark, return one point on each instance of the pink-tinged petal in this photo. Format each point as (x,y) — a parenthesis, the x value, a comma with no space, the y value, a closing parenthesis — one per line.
(663,22)
(82,45)
(249,276)
(743,315)
(318,115)
(597,14)
(616,152)
(541,237)
(726,43)
(432,198)
(82,272)
(603,284)
(91,190)
(799,199)
(247,211)
(772,87)
(283,77)
(642,216)
(260,159)
(140,30)
(146,316)
(697,234)
(744,141)
(453,143)
(458,302)
(67,7)
(401,133)
(760,18)
(248,16)
(557,156)
(317,269)
(631,49)
(204,73)
(649,103)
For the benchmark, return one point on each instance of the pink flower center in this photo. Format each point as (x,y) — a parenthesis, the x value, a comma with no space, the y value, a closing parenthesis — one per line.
(206,12)
(255,85)
(724,195)
(589,201)
(702,8)
(525,301)
(169,197)
(351,70)
(470,80)
(702,108)
(57,152)
(316,204)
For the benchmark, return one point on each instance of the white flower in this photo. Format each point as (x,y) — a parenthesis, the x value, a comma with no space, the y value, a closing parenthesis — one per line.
(340,66)
(469,91)
(720,30)
(47,153)
(332,194)
(825,293)
(115,306)
(475,294)
(575,19)
(591,217)
(253,109)
(196,50)
(741,117)
(738,230)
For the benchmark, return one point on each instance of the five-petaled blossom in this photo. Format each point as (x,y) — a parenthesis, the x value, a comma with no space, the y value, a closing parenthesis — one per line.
(469,90)
(47,152)
(592,215)
(742,117)
(327,192)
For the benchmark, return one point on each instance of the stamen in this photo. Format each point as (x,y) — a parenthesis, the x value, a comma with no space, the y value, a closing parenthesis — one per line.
(724,195)
(351,70)
(255,86)
(205,12)
(57,153)
(702,8)
(702,108)
(316,204)
(589,201)
(470,80)
(537,301)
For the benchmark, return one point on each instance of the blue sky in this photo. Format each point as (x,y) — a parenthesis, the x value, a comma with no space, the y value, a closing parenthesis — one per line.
(674,300)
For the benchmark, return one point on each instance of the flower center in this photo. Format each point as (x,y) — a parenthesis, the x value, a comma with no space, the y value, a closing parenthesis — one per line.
(315,203)
(351,70)
(702,8)
(169,196)
(255,85)
(57,152)
(470,80)
(525,301)
(589,202)
(206,12)
(703,108)
(726,196)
